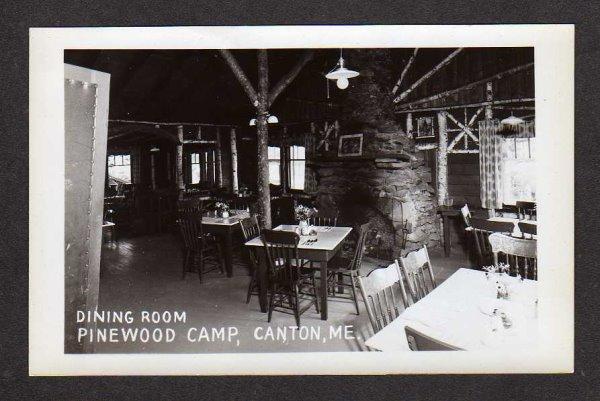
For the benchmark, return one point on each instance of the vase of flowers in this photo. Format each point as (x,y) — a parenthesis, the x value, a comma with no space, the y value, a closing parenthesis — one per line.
(303,213)
(222,209)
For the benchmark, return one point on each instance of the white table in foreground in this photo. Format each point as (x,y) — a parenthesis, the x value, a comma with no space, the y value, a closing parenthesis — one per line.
(329,241)
(454,313)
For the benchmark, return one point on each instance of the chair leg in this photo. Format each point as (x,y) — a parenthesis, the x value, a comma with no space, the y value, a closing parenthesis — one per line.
(220,256)
(250,288)
(271,300)
(186,257)
(340,280)
(200,264)
(314,285)
(296,306)
(354,294)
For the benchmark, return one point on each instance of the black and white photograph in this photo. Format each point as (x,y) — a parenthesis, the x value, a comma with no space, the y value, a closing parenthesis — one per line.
(377,200)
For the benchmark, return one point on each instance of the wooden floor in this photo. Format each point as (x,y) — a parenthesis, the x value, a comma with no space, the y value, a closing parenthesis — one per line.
(144,274)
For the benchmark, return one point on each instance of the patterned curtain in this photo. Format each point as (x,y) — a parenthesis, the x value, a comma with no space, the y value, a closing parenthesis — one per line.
(490,164)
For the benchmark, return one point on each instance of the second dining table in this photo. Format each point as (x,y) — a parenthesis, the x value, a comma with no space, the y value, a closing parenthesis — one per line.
(328,242)
(225,228)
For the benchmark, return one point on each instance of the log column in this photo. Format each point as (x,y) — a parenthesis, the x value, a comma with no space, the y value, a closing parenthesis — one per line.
(442,159)
(409,125)
(489,96)
(219,158)
(234,162)
(179,161)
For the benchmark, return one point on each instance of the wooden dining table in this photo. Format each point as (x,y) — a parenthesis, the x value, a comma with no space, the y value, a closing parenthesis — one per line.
(459,312)
(328,242)
(224,228)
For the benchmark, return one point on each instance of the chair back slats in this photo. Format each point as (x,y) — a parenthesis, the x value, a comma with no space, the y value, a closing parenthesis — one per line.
(481,230)
(250,227)
(520,254)
(418,341)
(466,215)
(378,292)
(359,251)
(251,230)
(282,254)
(190,206)
(417,271)
(190,228)
(322,219)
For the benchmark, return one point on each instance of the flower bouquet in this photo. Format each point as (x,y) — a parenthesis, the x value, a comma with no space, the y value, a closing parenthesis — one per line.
(303,214)
(222,209)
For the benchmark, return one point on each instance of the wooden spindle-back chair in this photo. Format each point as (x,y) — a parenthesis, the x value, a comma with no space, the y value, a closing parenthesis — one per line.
(527,210)
(379,290)
(197,247)
(251,230)
(527,229)
(340,268)
(481,230)
(324,219)
(466,215)
(416,269)
(418,341)
(287,278)
(520,254)
(192,205)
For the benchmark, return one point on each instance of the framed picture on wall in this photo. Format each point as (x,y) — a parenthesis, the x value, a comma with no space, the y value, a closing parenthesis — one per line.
(350,145)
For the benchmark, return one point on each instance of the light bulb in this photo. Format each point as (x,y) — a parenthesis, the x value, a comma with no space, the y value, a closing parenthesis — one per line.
(272,119)
(252,122)
(342,83)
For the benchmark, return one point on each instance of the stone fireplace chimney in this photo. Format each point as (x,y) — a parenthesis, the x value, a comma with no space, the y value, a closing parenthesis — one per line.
(389,185)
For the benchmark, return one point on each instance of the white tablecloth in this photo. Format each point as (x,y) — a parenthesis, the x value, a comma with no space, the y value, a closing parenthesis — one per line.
(458,312)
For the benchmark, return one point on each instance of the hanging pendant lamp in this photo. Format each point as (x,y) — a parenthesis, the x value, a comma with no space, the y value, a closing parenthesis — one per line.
(341,74)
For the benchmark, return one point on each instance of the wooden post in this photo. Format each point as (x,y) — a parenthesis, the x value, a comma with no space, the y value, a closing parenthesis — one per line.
(489,96)
(409,125)
(284,160)
(442,159)
(219,159)
(234,162)
(264,192)
(262,100)
(179,161)
(153,169)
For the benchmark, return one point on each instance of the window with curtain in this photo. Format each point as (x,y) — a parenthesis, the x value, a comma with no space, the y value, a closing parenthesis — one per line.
(518,170)
(297,167)
(203,168)
(119,167)
(274,157)
(196,169)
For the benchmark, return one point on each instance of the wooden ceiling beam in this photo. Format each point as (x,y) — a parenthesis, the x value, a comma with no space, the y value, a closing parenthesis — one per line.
(468,86)
(405,70)
(240,75)
(289,77)
(428,75)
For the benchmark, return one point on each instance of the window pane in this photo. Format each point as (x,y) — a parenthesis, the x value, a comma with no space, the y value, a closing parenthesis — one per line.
(119,160)
(297,170)
(274,176)
(297,152)
(111,161)
(274,153)
(195,173)
(122,174)
(126,160)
